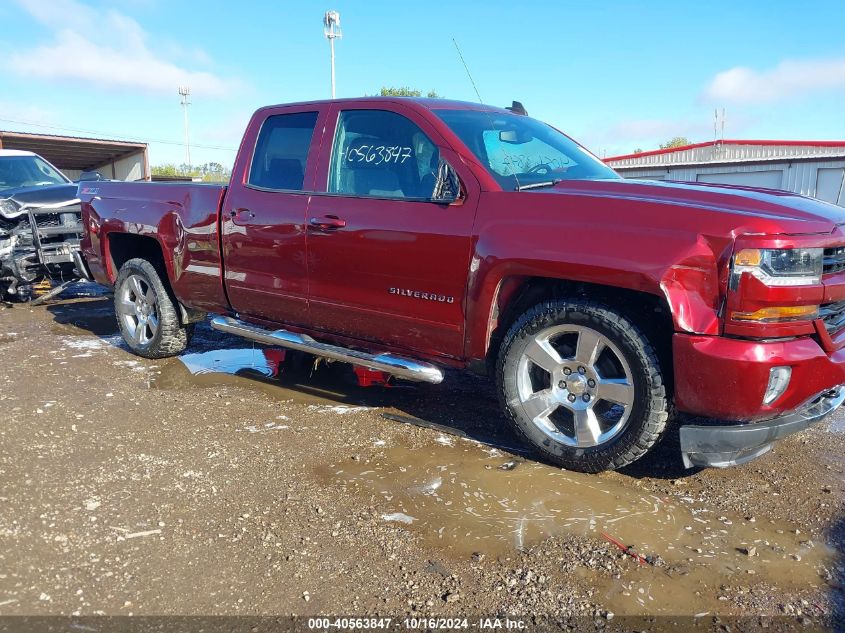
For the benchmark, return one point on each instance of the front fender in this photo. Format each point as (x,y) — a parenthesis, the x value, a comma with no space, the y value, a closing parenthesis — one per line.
(684,268)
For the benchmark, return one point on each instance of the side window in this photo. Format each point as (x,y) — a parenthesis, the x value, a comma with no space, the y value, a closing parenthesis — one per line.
(282,151)
(382,154)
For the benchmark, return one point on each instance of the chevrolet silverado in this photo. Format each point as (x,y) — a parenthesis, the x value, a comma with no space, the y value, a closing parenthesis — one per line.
(413,235)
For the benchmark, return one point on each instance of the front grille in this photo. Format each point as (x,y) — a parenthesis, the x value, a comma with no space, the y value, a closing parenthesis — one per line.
(834,260)
(833,316)
(54,225)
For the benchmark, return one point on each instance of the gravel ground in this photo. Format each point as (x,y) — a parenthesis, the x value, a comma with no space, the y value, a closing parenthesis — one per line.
(140,487)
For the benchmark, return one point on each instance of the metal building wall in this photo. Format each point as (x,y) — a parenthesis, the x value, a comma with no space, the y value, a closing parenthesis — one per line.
(797,176)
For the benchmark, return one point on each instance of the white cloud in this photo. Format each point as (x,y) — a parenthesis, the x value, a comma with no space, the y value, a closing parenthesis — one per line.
(107,49)
(789,79)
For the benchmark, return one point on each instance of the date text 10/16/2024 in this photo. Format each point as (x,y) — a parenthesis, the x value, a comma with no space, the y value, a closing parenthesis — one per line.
(417,623)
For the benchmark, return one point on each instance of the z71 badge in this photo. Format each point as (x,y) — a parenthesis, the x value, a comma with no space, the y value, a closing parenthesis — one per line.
(417,294)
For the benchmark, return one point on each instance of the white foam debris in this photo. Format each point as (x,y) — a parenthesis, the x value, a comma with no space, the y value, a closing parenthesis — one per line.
(141,534)
(270,426)
(401,517)
(91,504)
(339,409)
(74,342)
(445,440)
(379,443)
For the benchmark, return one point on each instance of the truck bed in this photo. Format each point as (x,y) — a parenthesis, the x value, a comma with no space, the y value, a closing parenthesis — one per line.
(183,218)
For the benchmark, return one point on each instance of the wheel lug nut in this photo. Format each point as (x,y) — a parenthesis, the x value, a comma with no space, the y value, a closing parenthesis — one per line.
(581,370)
(567,371)
(572,397)
(591,382)
(561,385)
(586,397)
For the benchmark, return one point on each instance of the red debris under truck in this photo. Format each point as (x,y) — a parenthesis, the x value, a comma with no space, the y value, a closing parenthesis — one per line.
(412,235)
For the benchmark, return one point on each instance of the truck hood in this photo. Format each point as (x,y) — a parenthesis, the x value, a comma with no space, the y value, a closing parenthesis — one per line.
(43,195)
(799,214)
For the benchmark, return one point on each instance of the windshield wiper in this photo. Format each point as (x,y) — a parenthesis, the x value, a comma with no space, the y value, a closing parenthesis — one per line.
(537,185)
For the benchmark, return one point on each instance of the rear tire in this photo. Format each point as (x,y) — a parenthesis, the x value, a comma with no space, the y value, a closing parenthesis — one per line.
(146,313)
(582,385)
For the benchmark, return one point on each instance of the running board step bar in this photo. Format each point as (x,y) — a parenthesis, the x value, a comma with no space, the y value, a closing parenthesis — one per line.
(389,363)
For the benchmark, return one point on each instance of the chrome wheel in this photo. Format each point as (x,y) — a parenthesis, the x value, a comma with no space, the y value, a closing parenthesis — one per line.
(575,385)
(137,308)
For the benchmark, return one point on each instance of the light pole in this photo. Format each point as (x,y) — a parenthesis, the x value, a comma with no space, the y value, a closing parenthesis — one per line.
(332,31)
(185,93)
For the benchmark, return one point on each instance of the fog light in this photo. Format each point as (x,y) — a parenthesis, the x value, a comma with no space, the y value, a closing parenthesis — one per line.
(778,382)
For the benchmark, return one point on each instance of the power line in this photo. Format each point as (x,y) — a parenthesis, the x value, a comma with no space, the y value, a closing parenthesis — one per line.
(117,137)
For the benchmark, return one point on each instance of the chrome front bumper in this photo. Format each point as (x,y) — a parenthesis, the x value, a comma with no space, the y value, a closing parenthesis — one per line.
(720,446)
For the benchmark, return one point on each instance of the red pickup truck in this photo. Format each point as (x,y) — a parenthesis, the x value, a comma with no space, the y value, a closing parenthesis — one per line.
(413,235)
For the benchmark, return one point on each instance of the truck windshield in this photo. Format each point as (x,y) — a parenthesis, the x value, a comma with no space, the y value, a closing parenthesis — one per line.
(521,152)
(28,171)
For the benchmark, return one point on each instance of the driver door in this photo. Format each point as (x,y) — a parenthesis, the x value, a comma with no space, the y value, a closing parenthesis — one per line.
(385,263)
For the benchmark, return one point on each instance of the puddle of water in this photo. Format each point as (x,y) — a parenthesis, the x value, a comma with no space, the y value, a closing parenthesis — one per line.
(256,362)
(268,370)
(462,500)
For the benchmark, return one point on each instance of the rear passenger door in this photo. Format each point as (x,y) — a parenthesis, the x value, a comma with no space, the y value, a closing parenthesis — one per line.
(386,263)
(264,213)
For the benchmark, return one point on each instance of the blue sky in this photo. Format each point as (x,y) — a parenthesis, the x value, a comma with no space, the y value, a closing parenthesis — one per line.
(615,75)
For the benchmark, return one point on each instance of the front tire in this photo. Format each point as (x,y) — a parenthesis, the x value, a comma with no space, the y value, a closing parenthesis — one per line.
(582,385)
(146,314)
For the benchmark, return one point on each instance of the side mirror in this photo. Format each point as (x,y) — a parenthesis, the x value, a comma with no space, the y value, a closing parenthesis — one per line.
(447,185)
(86,176)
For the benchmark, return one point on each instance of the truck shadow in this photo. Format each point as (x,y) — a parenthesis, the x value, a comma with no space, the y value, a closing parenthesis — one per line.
(464,405)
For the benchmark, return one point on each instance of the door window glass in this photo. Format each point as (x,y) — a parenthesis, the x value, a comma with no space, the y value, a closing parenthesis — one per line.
(282,151)
(382,154)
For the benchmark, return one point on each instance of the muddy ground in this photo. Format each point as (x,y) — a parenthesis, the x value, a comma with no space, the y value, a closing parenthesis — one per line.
(219,484)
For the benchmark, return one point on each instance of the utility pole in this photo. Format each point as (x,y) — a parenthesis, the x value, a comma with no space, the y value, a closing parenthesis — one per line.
(332,31)
(185,94)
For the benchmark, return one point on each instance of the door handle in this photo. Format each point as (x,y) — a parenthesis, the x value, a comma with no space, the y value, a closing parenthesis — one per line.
(243,215)
(327,222)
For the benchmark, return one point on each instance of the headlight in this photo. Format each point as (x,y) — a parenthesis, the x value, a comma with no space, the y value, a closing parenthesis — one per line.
(779,266)
(9,209)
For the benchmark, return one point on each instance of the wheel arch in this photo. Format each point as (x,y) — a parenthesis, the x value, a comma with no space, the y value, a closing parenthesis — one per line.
(651,313)
(121,247)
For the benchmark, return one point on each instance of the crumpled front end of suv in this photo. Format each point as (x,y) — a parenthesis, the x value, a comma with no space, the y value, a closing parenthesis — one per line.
(38,241)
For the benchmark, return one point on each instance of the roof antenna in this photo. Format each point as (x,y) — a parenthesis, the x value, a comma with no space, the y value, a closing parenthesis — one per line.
(466,68)
(481,101)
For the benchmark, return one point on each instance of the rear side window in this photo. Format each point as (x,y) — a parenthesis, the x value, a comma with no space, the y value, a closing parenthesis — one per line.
(382,154)
(282,151)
